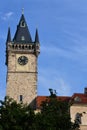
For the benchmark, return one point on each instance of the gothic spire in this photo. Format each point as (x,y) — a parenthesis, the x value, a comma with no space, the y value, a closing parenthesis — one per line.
(8,35)
(22,33)
(36,37)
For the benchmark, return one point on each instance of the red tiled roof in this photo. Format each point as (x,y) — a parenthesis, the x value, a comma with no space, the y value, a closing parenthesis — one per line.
(40,99)
(81,98)
(77,98)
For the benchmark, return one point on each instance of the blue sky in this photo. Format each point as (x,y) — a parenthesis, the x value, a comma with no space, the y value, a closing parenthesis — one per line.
(62,26)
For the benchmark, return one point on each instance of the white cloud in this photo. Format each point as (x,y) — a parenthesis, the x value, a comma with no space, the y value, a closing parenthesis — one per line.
(50,79)
(57,51)
(7,15)
(63,87)
(77,52)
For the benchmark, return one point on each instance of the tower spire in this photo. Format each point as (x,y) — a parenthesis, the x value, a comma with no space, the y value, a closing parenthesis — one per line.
(8,35)
(22,33)
(36,37)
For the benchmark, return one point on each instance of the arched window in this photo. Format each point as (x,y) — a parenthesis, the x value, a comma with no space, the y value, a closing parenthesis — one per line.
(19,46)
(13,46)
(78,118)
(23,47)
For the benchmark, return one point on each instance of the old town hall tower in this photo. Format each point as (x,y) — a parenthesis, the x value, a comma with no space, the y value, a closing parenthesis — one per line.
(21,61)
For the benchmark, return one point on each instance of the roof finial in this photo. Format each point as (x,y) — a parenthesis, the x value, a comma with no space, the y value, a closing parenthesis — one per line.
(22,10)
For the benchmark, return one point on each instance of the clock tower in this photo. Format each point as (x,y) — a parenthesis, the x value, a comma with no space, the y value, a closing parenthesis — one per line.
(21,60)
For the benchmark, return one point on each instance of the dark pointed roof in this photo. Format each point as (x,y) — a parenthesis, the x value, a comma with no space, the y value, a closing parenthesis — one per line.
(22,33)
(8,36)
(36,37)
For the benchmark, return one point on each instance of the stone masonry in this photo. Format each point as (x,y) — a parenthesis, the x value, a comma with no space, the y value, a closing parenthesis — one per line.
(22,80)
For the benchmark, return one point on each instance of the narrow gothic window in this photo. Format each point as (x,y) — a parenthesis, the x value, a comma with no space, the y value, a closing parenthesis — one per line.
(21,98)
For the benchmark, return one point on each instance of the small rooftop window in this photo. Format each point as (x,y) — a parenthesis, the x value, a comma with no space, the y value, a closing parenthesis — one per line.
(22,24)
(77,99)
(22,38)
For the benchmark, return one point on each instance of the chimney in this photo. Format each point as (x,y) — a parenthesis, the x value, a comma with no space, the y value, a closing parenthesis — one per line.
(85,90)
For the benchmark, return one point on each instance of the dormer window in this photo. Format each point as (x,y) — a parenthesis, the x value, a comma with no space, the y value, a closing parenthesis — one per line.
(22,38)
(22,24)
(77,99)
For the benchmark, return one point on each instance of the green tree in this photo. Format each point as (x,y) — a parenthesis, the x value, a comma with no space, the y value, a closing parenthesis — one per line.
(15,116)
(54,114)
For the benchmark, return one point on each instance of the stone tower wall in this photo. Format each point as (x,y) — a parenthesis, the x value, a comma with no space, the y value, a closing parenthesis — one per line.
(22,84)
(22,79)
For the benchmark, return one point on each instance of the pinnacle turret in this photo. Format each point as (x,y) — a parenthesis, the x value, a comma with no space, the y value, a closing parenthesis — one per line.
(8,36)
(36,37)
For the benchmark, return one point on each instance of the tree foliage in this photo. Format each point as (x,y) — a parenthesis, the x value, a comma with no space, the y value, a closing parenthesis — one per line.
(15,116)
(54,115)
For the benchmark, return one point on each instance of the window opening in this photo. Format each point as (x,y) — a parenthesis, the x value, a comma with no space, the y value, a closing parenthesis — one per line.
(21,98)
(22,24)
(22,38)
(78,118)
(77,99)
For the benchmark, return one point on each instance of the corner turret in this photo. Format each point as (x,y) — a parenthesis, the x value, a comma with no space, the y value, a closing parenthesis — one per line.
(7,42)
(36,37)
(8,36)
(37,43)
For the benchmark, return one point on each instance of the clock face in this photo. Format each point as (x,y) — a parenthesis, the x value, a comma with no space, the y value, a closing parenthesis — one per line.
(22,60)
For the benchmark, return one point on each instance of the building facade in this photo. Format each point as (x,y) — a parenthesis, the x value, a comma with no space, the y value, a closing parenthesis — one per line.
(21,60)
(78,107)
